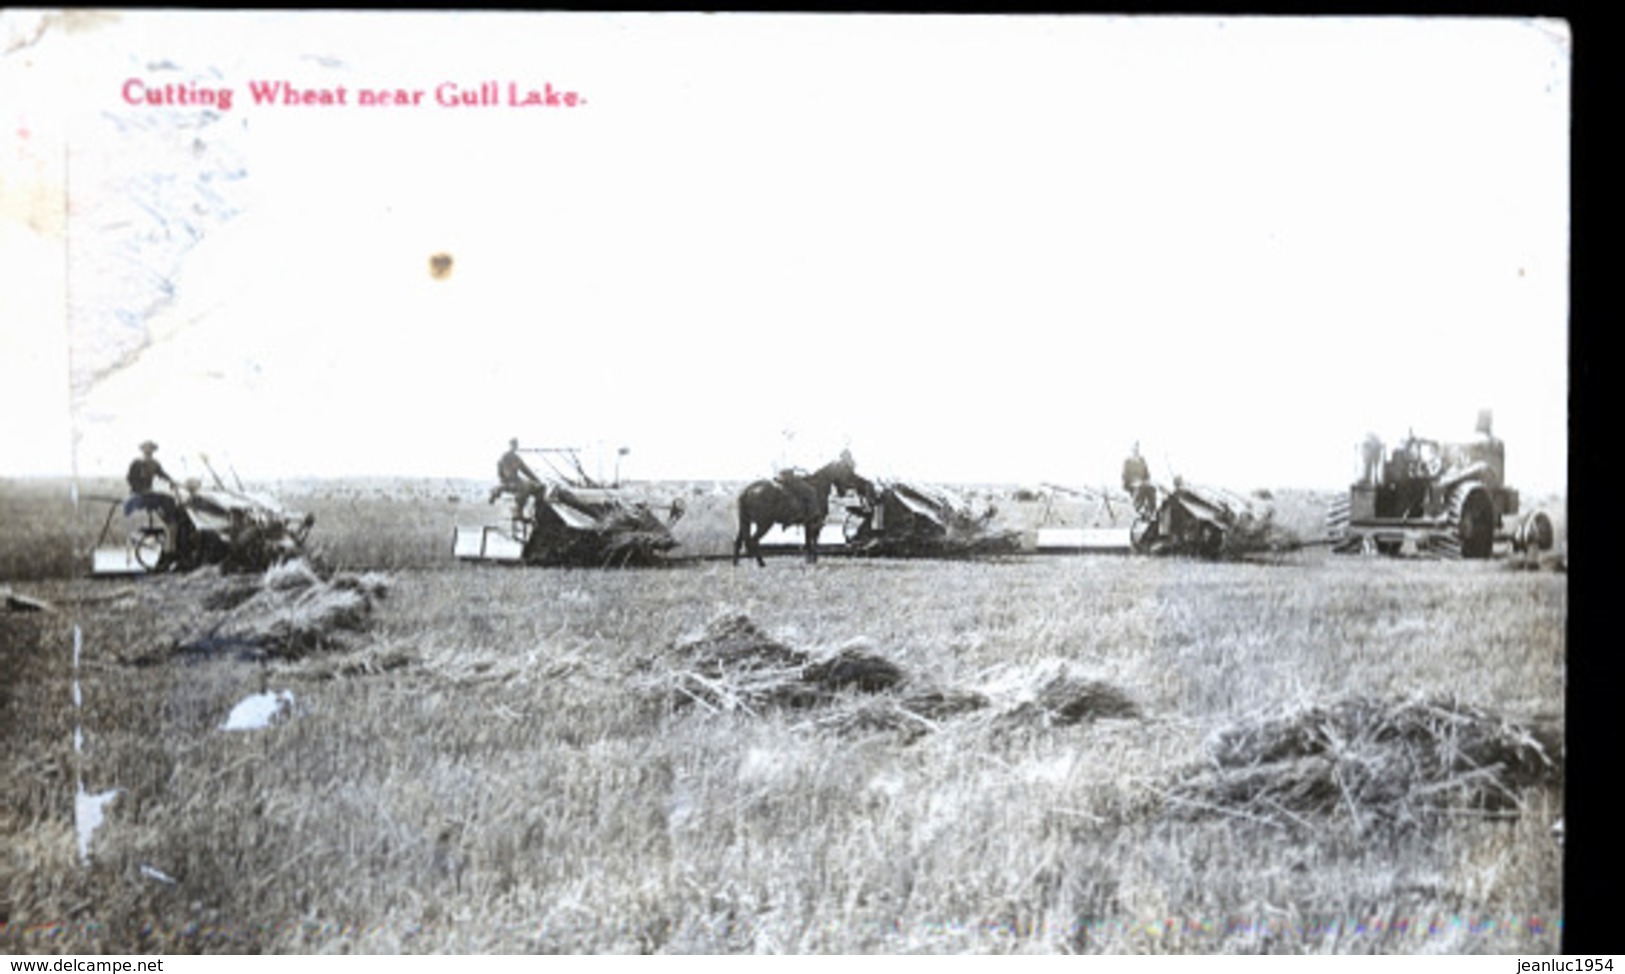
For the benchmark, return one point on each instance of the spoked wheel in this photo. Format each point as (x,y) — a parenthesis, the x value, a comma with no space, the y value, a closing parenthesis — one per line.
(147,545)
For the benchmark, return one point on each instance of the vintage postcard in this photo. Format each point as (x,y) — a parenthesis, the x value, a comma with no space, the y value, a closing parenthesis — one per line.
(758,483)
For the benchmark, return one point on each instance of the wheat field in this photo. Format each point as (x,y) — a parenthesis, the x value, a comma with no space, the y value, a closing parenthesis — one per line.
(503,759)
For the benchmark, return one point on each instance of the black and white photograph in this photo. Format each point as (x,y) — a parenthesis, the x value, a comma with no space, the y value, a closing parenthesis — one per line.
(789,484)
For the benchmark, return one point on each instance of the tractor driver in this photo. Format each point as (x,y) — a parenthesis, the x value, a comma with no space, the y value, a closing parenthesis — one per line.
(144,471)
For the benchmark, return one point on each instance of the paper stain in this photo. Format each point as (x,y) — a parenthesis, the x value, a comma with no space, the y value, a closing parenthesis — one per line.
(157,874)
(258,711)
(87,817)
(87,807)
(25,29)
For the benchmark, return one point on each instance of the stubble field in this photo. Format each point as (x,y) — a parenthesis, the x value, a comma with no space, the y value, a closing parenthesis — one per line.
(509,759)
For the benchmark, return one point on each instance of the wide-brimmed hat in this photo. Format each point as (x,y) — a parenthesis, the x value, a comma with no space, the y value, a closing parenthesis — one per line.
(148,445)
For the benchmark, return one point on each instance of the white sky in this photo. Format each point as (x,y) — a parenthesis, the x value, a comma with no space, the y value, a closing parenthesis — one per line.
(971,248)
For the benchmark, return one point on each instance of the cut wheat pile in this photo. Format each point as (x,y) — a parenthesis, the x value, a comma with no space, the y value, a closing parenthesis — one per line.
(287,613)
(734,666)
(1373,762)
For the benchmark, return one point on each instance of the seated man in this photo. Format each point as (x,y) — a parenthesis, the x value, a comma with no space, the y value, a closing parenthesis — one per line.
(515,477)
(144,471)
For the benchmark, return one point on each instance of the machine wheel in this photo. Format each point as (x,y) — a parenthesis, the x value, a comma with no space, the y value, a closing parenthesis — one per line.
(854,526)
(1534,534)
(1142,534)
(147,545)
(1475,523)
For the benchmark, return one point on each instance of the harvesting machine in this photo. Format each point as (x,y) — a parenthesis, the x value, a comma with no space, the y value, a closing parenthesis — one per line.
(1191,519)
(908,519)
(572,520)
(234,529)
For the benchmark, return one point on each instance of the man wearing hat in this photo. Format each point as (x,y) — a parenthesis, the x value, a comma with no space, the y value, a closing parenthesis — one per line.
(144,471)
(515,477)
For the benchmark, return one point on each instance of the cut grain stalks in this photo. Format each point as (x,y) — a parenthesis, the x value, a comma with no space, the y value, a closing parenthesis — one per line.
(1374,762)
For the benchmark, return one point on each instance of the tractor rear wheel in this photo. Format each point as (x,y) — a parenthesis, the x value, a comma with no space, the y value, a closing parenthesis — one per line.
(1475,524)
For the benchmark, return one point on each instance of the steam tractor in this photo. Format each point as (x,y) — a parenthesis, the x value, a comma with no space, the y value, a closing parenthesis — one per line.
(1446,499)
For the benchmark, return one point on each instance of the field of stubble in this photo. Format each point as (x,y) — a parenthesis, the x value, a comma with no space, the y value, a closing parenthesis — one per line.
(506,760)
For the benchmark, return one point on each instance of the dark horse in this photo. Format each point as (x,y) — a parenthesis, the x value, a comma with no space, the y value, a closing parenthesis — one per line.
(803,501)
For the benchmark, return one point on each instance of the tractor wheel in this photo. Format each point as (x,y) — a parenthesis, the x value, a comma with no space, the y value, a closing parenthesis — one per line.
(1475,523)
(1534,534)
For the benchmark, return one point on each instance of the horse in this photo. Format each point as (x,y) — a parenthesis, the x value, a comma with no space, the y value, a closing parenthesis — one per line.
(791,501)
